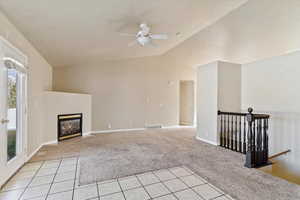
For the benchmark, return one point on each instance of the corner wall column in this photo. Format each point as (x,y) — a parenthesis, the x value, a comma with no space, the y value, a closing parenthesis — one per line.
(218,88)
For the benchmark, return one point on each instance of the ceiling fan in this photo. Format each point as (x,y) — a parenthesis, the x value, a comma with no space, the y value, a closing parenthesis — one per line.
(144,36)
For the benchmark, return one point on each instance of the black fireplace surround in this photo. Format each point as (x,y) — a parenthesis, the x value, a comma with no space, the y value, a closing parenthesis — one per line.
(69,126)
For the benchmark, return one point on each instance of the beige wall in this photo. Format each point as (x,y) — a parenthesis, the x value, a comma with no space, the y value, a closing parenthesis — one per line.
(69,103)
(39,79)
(129,93)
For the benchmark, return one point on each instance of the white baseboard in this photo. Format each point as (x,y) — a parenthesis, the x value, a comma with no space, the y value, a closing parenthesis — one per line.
(186,123)
(33,153)
(170,127)
(207,141)
(178,126)
(117,130)
(86,133)
(50,142)
(27,158)
(135,129)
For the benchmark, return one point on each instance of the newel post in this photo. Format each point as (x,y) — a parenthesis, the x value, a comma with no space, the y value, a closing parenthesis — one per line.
(250,154)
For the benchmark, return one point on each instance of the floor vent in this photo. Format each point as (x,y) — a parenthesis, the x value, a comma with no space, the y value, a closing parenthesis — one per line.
(153,126)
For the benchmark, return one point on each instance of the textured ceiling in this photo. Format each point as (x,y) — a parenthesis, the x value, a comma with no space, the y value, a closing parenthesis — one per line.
(68,32)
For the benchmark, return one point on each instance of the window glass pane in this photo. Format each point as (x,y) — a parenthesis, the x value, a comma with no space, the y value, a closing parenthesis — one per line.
(12,79)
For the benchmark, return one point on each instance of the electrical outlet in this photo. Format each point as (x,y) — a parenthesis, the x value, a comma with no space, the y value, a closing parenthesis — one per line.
(170,83)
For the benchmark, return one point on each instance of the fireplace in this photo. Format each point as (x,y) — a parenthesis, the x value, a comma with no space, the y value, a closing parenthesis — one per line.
(69,126)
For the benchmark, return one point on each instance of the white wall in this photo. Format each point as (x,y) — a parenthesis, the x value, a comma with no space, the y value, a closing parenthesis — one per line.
(57,103)
(219,88)
(229,87)
(39,79)
(273,86)
(207,102)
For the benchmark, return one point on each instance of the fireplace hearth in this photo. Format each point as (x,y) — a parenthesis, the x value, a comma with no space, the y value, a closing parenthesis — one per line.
(69,126)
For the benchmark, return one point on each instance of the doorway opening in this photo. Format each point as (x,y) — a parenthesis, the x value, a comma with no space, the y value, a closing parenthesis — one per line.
(187,103)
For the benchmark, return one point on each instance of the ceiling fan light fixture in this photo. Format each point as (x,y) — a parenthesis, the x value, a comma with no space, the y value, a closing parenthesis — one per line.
(143,40)
(145,36)
(145,29)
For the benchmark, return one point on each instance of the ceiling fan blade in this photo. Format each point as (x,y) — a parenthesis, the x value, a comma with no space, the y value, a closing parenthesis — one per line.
(128,34)
(159,36)
(131,44)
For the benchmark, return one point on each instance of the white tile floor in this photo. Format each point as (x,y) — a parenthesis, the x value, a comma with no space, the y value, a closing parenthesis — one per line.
(58,180)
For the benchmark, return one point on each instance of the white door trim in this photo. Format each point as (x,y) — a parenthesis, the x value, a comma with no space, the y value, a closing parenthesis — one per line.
(10,53)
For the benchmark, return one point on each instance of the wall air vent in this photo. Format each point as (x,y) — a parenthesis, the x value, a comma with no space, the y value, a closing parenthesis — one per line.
(153,126)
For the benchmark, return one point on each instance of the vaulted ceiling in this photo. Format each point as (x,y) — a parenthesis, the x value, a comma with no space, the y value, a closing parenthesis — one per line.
(68,32)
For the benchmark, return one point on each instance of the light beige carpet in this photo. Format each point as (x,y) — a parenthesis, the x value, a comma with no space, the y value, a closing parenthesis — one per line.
(108,156)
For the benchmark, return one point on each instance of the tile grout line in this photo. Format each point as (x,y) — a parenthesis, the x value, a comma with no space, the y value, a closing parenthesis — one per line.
(98,190)
(53,179)
(35,175)
(118,179)
(44,184)
(97,183)
(207,183)
(121,188)
(189,186)
(159,181)
(31,180)
(218,190)
(22,179)
(74,184)
(143,186)
(67,180)
(165,184)
(58,181)
(97,186)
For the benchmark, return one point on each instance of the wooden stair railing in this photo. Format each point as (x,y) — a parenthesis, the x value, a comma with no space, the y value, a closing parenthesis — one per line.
(246,133)
(233,131)
(279,154)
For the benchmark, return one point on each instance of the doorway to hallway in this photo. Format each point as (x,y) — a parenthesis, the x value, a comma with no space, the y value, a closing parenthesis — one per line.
(187,103)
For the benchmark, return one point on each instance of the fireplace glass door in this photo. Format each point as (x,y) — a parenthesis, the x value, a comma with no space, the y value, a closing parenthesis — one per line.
(69,126)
